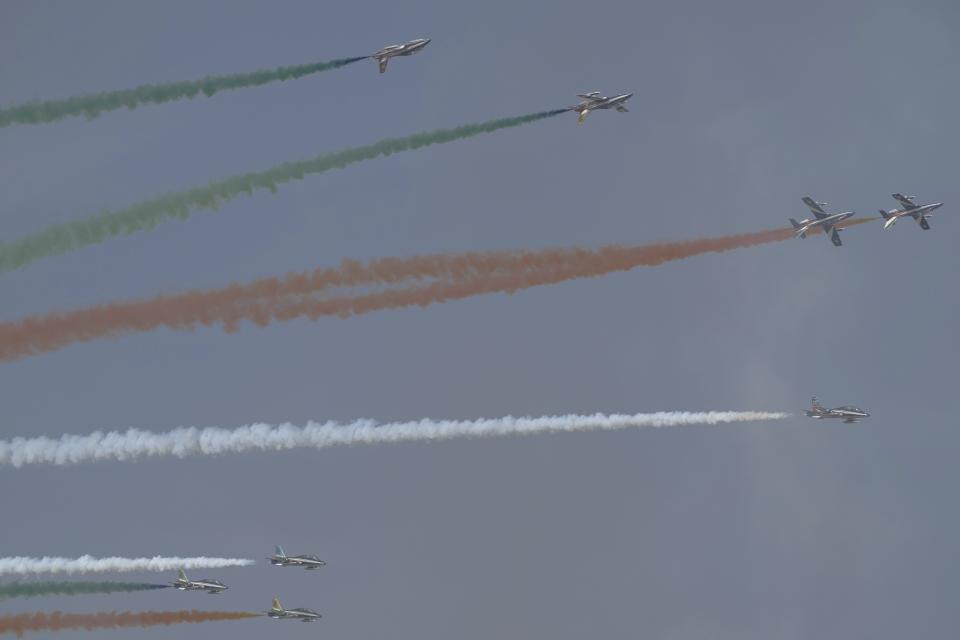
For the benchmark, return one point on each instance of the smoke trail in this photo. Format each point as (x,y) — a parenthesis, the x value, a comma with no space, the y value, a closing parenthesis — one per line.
(458,276)
(38,589)
(23,566)
(92,105)
(69,236)
(187,441)
(58,621)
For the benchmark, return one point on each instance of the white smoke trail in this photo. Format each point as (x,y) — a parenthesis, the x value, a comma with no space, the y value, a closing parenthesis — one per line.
(186,441)
(23,566)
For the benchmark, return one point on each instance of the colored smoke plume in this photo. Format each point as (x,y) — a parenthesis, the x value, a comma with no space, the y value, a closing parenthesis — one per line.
(24,566)
(69,236)
(450,277)
(92,105)
(190,441)
(22,623)
(40,589)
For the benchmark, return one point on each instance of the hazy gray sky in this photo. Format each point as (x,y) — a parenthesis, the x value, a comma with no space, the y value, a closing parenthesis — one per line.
(783,530)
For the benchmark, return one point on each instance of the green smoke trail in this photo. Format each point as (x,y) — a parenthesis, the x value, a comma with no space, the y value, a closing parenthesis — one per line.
(92,105)
(61,238)
(37,589)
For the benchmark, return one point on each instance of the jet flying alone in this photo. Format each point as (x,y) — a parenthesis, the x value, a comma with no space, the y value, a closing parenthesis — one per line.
(918,212)
(277,612)
(593,101)
(846,413)
(185,584)
(391,51)
(281,559)
(826,221)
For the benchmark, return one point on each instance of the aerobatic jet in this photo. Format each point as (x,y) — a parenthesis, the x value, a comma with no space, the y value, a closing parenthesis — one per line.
(847,414)
(407,49)
(593,101)
(279,613)
(210,586)
(918,212)
(827,221)
(281,559)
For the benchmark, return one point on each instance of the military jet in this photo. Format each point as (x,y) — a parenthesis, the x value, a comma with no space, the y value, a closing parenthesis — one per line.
(828,221)
(210,586)
(278,612)
(406,49)
(918,212)
(283,560)
(593,101)
(847,414)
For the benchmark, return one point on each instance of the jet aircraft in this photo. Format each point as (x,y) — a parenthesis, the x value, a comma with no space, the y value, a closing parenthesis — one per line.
(828,221)
(918,212)
(278,612)
(847,414)
(307,561)
(593,101)
(210,586)
(407,49)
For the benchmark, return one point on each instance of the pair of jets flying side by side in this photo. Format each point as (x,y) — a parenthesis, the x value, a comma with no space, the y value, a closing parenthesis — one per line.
(592,101)
(829,221)
(277,611)
(309,562)
(279,559)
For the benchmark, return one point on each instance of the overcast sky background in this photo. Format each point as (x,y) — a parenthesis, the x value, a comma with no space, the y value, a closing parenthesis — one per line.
(782,530)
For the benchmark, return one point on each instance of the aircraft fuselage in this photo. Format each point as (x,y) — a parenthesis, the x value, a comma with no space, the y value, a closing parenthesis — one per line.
(916,213)
(826,223)
(406,49)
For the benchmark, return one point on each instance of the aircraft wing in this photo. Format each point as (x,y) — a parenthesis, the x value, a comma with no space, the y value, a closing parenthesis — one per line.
(835,236)
(814,207)
(923,223)
(904,200)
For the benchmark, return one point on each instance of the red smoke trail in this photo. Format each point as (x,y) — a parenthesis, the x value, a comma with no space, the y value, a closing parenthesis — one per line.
(57,621)
(454,277)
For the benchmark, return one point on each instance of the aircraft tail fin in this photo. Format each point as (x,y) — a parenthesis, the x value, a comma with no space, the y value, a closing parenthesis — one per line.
(276,605)
(279,550)
(583,115)
(884,214)
(797,226)
(182,575)
(816,405)
(383,64)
